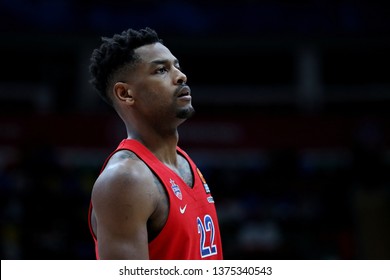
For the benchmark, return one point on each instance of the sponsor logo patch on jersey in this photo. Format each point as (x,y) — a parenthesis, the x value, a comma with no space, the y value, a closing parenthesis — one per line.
(206,187)
(176,190)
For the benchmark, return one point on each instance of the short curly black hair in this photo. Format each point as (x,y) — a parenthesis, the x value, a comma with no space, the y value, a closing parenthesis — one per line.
(116,53)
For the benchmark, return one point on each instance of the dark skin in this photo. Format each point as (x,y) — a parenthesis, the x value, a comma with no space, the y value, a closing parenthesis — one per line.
(130,206)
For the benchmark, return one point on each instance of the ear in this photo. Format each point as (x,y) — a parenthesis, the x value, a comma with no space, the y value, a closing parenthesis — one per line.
(123,92)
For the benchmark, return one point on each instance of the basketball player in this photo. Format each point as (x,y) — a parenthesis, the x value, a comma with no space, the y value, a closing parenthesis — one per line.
(150,200)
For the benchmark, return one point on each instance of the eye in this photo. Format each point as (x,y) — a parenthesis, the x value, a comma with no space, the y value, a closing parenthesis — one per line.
(161,70)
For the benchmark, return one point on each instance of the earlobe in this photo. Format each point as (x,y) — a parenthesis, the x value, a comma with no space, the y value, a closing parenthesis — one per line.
(123,93)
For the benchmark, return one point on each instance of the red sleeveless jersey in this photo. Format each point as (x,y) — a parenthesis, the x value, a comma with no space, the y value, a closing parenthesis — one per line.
(191,231)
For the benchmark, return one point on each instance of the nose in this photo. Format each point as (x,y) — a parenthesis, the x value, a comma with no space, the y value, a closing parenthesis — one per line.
(181,78)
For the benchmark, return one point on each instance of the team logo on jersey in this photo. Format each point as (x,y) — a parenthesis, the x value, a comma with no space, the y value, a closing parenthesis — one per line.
(206,187)
(176,190)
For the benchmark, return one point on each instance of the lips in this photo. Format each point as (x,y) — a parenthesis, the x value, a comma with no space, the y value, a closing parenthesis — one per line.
(184,91)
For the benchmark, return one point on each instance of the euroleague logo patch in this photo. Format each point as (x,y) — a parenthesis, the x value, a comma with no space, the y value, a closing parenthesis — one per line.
(206,187)
(176,190)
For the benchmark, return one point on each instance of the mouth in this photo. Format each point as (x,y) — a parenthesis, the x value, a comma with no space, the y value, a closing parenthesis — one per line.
(184,92)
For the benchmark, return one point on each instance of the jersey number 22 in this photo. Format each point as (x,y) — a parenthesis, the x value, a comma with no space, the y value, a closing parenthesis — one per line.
(204,227)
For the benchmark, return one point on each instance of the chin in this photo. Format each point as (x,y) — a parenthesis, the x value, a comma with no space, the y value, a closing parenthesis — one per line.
(185,113)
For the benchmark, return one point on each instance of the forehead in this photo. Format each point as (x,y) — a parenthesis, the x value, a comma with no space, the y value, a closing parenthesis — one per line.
(153,52)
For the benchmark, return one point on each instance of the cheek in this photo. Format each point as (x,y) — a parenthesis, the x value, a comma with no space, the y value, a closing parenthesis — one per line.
(157,96)
(152,98)
(146,93)
(153,94)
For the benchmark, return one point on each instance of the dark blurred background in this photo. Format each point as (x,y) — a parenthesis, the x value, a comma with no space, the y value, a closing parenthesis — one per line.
(291,132)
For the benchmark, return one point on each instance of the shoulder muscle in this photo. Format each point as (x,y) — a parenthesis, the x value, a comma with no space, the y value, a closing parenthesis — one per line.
(123,198)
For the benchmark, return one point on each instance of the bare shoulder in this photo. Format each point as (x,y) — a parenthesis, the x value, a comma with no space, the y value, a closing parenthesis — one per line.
(125,181)
(124,165)
(126,197)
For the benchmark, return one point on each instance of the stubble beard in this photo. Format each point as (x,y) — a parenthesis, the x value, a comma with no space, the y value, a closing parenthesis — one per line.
(185,113)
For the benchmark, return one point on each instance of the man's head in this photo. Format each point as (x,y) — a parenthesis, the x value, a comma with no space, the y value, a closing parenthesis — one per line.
(140,77)
(116,55)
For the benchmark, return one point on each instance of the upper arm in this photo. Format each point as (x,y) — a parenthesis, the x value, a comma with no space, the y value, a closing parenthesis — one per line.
(123,200)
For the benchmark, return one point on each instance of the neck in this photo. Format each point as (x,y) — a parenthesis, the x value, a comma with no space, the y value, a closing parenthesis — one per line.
(163,146)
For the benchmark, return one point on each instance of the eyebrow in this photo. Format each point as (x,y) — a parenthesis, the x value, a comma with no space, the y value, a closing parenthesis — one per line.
(163,61)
